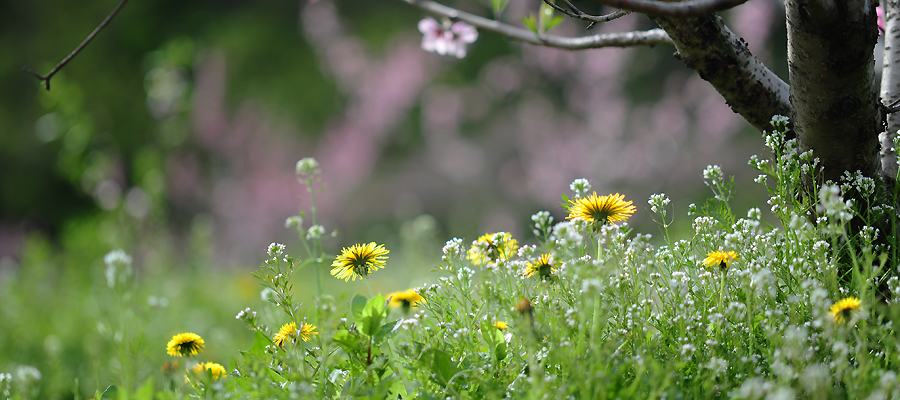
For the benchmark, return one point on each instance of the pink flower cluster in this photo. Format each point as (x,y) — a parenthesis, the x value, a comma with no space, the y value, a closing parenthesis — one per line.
(447,39)
(880,12)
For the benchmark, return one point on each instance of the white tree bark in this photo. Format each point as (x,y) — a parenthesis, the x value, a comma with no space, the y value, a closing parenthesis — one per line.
(890,85)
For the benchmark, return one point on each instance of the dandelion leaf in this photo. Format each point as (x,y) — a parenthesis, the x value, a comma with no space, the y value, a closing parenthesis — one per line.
(441,365)
(386,331)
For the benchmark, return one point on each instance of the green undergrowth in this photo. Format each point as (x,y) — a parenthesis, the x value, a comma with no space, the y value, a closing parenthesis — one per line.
(743,309)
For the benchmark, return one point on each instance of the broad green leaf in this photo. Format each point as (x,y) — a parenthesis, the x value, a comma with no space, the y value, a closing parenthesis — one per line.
(398,390)
(372,315)
(244,383)
(386,331)
(500,350)
(145,392)
(110,393)
(357,305)
(441,365)
(347,341)
(494,339)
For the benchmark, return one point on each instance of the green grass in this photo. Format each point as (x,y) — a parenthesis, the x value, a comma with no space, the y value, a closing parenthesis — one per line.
(607,313)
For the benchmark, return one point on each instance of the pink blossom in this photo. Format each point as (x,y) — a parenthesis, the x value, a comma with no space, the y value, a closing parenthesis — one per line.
(446,39)
(880,14)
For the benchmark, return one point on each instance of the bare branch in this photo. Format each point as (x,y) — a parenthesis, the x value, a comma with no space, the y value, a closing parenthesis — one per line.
(652,37)
(46,78)
(707,46)
(574,12)
(689,8)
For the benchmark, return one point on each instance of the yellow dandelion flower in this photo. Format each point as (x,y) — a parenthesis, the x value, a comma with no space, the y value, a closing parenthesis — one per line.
(493,247)
(601,209)
(406,299)
(217,370)
(358,261)
(721,259)
(501,325)
(543,267)
(288,331)
(845,308)
(185,344)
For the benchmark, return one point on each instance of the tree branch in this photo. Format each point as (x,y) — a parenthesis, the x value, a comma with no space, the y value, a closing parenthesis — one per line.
(652,37)
(707,46)
(46,78)
(890,81)
(574,12)
(689,8)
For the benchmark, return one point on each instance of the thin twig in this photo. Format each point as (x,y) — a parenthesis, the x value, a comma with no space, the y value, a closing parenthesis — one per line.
(574,12)
(46,78)
(672,9)
(651,37)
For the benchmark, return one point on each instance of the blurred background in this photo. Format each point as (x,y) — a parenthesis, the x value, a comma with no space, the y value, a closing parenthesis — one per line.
(174,136)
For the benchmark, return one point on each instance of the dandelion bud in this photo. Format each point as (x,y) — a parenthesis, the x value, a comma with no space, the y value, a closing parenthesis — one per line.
(524,307)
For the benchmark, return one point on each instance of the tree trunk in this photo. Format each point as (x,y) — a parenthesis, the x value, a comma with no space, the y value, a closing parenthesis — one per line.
(890,83)
(833,94)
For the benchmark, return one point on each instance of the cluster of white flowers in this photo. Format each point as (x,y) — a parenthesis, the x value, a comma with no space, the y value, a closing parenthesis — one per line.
(307,167)
(246,315)
(713,174)
(581,187)
(275,250)
(453,250)
(658,203)
(568,234)
(5,385)
(857,181)
(833,206)
(543,222)
(315,232)
(118,267)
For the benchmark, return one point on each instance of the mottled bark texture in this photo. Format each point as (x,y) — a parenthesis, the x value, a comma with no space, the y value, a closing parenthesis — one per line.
(833,93)
(707,46)
(890,85)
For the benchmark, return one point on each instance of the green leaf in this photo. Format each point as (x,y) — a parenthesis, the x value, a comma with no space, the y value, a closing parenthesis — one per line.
(553,22)
(500,350)
(566,203)
(275,377)
(441,365)
(347,341)
(372,315)
(259,344)
(242,382)
(498,6)
(398,390)
(110,391)
(530,22)
(494,339)
(145,392)
(387,331)
(357,305)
